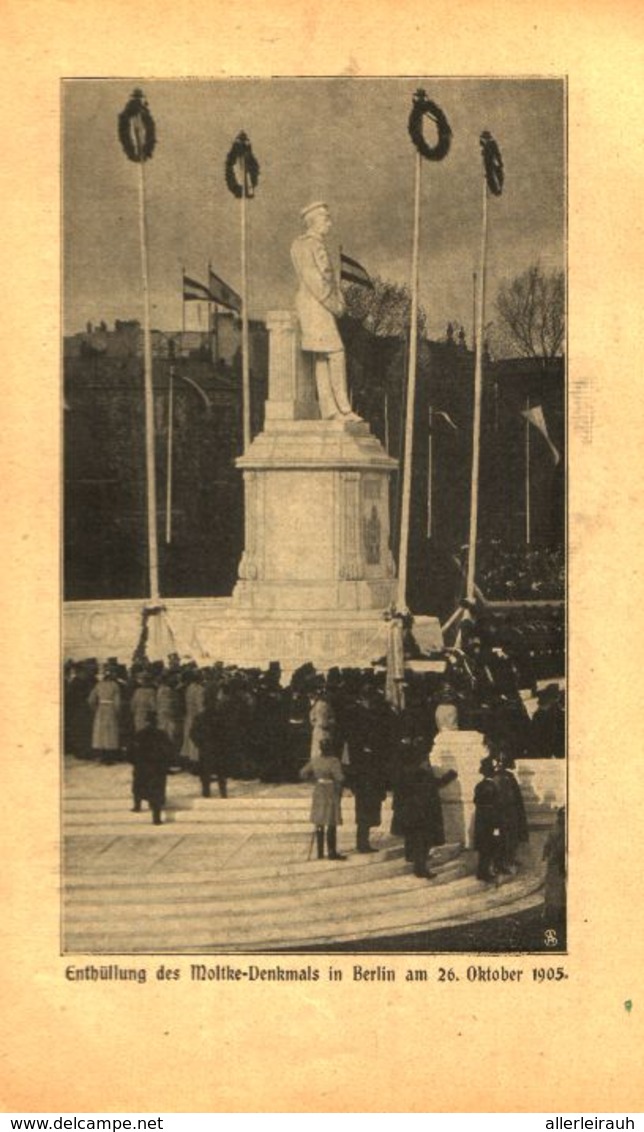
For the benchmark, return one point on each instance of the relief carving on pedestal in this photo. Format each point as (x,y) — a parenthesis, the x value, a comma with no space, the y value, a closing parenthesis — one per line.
(351,568)
(372,534)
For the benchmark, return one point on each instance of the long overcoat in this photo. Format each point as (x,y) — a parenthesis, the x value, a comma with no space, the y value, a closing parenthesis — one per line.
(195,698)
(210,733)
(142,703)
(319,298)
(169,712)
(151,755)
(105,700)
(368,739)
(418,804)
(326,772)
(487,816)
(514,821)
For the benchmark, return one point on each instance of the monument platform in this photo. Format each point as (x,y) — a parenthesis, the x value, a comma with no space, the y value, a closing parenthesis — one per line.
(316,576)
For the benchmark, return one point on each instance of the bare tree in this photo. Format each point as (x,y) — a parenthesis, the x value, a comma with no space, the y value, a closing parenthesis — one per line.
(531,314)
(384,310)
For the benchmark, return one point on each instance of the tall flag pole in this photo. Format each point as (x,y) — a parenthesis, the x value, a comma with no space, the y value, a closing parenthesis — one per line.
(213,318)
(430,461)
(492,184)
(169,468)
(527,471)
(137,134)
(422,107)
(242,157)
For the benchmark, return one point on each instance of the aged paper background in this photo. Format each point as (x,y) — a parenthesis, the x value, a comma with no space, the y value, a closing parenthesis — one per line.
(348,1046)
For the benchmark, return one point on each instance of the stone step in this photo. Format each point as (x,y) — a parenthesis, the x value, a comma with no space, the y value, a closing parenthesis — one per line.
(300,799)
(244,883)
(204,855)
(230,902)
(158,877)
(142,826)
(241,815)
(416,910)
(219,814)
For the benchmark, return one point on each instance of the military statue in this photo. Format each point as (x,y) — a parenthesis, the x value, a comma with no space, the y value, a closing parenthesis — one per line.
(319,302)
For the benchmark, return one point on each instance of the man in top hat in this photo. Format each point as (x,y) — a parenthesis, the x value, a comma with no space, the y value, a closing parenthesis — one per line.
(319,302)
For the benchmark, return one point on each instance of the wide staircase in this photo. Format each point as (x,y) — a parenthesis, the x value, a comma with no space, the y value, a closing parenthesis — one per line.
(240,874)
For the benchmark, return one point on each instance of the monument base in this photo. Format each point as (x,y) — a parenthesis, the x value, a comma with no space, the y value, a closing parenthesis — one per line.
(216,629)
(251,639)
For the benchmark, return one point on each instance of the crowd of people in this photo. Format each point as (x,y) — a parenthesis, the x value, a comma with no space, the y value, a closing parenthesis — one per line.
(264,729)
(521,573)
(338,732)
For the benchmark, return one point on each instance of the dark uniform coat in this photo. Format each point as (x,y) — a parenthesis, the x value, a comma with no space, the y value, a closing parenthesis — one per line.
(487,816)
(368,740)
(211,735)
(150,754)
(514,822)
(418,804)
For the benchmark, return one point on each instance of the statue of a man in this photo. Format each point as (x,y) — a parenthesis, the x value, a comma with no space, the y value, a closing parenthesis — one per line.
(318,303)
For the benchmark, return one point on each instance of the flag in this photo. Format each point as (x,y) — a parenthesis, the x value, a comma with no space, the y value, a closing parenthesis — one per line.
(535,416)
(353,272)
(446,417)
(195,385)
(194,292)
(222,294)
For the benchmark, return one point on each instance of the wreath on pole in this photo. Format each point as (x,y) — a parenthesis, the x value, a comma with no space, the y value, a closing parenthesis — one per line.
(137,131)
(422,108)
(241,151)
(492,163)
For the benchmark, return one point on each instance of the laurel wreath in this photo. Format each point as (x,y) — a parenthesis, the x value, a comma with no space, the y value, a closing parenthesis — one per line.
(492,163)
(148,611)
(241,150)
(422,108)
(137,107)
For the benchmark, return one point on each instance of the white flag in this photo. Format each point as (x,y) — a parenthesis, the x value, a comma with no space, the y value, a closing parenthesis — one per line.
(446,417)
(536,417)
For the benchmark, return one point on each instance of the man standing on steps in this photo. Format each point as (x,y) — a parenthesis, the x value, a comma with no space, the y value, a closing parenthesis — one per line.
(368,729)
(325,770)
(151,754)
(419,811)
(212,734)
(319,302)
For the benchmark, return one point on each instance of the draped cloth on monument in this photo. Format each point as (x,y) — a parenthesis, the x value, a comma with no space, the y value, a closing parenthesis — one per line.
(394,684)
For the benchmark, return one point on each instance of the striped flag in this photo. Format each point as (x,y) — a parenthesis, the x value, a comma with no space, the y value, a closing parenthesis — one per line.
(536,418)
(222,294)
(353,272)
(194,292)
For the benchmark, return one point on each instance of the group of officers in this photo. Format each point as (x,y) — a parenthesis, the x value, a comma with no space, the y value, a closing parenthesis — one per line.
(337,731)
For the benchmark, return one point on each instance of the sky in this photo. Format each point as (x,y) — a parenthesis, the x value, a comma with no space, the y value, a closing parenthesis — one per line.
(341,140)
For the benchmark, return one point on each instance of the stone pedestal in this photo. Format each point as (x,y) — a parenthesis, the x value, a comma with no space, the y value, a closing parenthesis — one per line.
(317,568)
(317,572)
(461,751)
(542,782)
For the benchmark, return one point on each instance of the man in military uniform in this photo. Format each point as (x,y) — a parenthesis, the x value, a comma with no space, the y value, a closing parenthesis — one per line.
(368,731)
(319,302)
(151,755)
